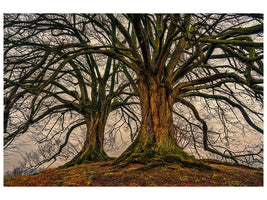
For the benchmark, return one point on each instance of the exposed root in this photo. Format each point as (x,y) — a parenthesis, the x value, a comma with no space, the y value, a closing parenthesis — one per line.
(160,161)
(87,157)
(198,164)
(150,154)
(136,158)
(151,165)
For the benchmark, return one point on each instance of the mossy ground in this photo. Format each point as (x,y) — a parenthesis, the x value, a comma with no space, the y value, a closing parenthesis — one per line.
(102,174)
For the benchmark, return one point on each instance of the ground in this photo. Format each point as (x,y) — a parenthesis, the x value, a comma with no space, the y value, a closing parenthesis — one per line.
(102,174)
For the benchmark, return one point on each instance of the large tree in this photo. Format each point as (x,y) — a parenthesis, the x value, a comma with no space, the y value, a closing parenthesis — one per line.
(49,79)
(183,58)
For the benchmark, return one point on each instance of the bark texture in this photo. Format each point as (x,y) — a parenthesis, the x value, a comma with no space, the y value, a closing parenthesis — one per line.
(155,141)
(93,148)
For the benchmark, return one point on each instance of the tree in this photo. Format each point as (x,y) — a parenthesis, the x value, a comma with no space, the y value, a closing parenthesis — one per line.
(182,58)
(49,79)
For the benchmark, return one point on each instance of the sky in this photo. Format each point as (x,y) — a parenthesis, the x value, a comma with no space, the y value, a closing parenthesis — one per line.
(25,6)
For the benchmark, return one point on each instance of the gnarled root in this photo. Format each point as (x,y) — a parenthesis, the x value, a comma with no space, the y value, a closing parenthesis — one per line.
(88,157)
(159,160)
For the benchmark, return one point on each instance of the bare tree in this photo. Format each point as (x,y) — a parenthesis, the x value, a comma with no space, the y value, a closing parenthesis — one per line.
(53,87)
(209,64)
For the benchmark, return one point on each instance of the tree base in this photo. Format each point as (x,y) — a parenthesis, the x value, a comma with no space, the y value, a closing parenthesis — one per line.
(156,161)
(88,156)
(153,157)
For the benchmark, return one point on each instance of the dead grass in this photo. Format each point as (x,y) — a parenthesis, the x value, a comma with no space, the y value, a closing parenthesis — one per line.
(101,174)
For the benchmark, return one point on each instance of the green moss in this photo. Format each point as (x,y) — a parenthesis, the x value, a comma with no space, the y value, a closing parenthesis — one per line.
(88,156)
(145,151)
(185,178)
(149,177)
(165,169)
(109,173)
(237,183)
(90,179)
(66,177)
(180,169)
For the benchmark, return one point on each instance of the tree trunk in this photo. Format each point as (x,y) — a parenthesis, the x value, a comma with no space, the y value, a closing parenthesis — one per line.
(93,148)
(155,140)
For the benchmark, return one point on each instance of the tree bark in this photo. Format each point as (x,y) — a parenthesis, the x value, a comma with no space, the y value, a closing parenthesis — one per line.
(156,140)
(93,148)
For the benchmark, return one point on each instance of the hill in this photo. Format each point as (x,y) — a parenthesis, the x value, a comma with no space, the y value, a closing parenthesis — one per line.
(102,174)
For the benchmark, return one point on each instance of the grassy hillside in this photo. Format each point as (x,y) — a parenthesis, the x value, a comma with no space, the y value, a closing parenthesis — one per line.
(101,174)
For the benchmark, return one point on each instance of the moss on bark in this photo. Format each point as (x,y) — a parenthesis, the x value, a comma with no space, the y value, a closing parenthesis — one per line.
(90,155)
(93,148)
(145,150)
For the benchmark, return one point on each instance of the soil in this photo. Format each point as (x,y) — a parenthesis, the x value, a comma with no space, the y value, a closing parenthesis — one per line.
(102,174)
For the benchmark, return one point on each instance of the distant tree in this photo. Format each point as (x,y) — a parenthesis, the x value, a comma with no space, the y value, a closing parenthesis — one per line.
(53,85)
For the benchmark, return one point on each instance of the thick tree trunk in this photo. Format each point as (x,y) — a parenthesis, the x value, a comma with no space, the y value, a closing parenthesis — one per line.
(93,148)
(155,140)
